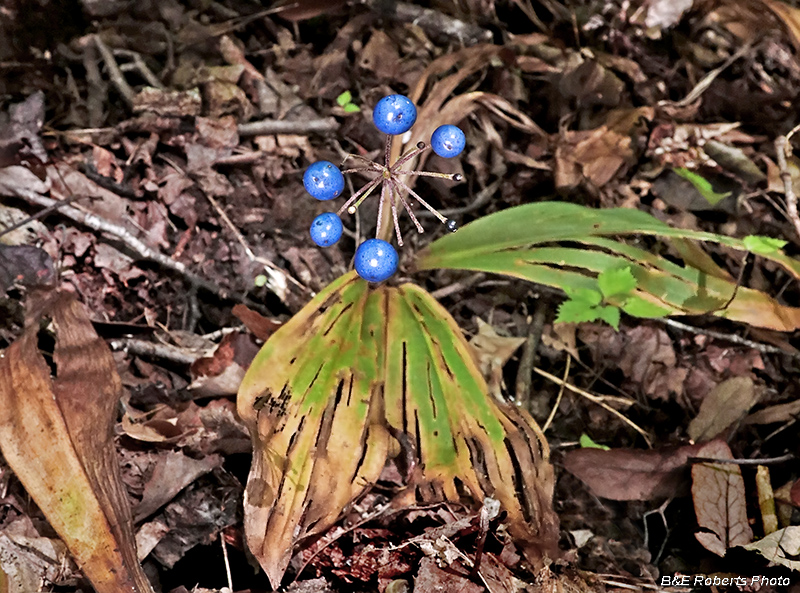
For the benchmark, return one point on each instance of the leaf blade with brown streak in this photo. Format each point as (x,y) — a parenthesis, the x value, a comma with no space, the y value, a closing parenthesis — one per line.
(356,365)
(56,436)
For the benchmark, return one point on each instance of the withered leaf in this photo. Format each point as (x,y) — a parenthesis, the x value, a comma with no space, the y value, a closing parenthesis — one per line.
(56,435)
(719,500)
(25,265)
(724,406)
(631,474)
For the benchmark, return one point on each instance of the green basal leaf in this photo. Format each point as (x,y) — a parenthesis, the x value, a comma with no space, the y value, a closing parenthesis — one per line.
(702,185)
(511,242)
(343,99)
(351,108)
(616,282)
(358,375)
(763,245)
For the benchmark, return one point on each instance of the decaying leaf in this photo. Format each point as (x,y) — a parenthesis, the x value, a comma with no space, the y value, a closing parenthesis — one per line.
(492,351)
(780,547)
(724,406)
(629,474)
(356,376)
(56,435)
(25,562)
(719,500)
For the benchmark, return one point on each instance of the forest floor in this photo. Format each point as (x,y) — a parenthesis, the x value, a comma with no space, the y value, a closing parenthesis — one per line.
(178,132)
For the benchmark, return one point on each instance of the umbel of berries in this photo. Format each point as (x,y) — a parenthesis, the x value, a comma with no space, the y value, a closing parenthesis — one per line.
(376,259)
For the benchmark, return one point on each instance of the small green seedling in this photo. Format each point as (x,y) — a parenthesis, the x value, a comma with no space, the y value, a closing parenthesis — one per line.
(586,442)
(586,304)
(763,245)
(345,101)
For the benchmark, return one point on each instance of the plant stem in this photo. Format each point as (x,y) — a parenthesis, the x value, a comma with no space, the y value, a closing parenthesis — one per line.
(384,229)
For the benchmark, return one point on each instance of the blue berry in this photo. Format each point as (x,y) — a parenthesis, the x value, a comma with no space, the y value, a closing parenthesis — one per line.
(323,180)
(394,115)
(448,141)
(326,229)
(376,260)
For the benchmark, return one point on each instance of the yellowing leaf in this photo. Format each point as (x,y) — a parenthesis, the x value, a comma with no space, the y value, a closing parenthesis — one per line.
(356,366)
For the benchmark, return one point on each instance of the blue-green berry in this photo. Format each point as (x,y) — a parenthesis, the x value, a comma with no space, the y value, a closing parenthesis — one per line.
(376,260)
(448,141)
(394,114)
(323,180)
(326,229)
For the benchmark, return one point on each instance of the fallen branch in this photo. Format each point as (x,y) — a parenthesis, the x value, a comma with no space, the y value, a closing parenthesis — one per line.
(303,126)
(782,148)
(141,249)
(434,23)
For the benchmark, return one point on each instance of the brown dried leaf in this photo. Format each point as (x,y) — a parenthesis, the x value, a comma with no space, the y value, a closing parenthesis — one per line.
(172,473)
(222,372)
(260,326)
(24,265)
(723,407)
(630,474)
(719,500)
(56,435)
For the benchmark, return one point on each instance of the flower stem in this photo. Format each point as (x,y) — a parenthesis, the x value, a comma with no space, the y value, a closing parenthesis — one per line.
(384,227)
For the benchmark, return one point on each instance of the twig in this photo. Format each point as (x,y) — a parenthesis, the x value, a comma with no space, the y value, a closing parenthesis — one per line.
(155,350)
(522,389)
(100,224)
(763,348)
(706,81)
(760,461)
(434,23)
(599,400)
(249,252)
(481,199)
(227,564)
(38,215)
(140,66)
(114,73)
(552,415)
(305,126)
(464,284)
(782,148)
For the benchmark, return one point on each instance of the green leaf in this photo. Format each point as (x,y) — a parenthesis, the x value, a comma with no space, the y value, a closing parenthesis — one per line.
(357,375)
(587,296)
(702,185)
(345,98)
(576,312)
(586,442)
(763,245)
(351,108)
(610,314)
(260,280)
(616,282)
(584,243)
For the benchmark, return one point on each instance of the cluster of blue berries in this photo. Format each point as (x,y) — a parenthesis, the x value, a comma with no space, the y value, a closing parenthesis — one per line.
(376,260)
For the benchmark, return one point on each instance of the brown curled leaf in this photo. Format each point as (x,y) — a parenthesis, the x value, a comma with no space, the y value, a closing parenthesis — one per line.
(56,435)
